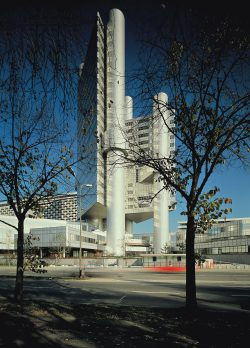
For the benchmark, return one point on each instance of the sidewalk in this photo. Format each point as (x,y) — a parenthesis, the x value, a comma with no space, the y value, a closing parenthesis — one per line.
(48,325)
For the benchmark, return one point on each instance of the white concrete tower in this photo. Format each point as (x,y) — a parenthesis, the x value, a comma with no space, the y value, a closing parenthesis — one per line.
(161,216)
(115,125)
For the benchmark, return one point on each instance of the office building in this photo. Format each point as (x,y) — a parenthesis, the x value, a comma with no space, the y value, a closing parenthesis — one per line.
(52,237)
(228,240)
(122,192)
(58,207)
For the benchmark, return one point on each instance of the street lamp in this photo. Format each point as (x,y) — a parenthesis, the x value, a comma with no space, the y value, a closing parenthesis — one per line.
(71,171)
(81,273)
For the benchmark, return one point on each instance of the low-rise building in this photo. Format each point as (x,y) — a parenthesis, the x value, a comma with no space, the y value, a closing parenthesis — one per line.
(228,240)
(52,236)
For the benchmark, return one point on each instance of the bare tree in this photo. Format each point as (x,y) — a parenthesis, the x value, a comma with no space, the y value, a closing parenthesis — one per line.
(38,105)
(204,70)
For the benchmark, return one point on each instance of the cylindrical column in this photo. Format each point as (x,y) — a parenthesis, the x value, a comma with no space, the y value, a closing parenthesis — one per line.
(116,76)
(116,212)
(161,223)
(129,226)
(115,124)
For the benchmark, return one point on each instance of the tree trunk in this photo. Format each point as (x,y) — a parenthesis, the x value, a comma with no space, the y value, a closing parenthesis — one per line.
(20,262)
(191,302)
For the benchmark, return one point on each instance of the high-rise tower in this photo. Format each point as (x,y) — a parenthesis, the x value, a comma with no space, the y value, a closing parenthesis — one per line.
(106,130)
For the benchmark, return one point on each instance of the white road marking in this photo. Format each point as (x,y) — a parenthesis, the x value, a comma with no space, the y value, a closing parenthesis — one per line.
(238,286)
(156,292)
(38,287)
(240,295)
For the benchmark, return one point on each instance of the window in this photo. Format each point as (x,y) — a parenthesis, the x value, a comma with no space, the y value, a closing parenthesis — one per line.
(137,175)
(129,123)
(142,128)
(144,198)
(143,120)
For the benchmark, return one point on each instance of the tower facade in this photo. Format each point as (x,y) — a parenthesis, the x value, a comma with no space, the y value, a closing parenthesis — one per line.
(122,192)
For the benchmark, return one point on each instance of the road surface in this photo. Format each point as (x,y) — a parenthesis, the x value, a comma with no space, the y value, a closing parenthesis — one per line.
(215,289)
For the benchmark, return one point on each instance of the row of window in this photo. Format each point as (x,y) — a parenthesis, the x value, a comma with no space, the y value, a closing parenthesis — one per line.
(144,198)
(75,237)
(226,250)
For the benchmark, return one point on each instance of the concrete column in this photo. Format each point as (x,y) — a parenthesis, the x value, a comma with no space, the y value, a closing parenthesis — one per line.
(161,225)
(115,124)
(116,213)
(129,226)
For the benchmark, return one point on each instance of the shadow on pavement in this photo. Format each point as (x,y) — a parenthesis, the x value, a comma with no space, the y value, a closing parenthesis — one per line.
(42,324)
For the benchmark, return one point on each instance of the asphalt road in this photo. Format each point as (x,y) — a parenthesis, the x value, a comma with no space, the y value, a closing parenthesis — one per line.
(215,289)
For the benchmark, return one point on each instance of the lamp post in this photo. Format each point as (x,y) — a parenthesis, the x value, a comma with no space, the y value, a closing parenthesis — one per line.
(81,273)
(71,171)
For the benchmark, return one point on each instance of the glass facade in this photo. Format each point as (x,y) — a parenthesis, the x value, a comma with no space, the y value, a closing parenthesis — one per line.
(225,237)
